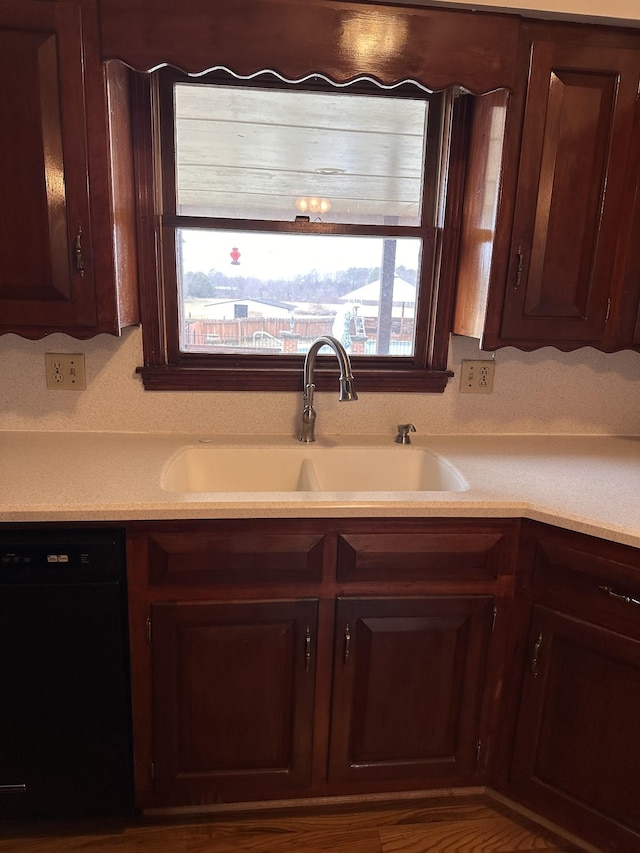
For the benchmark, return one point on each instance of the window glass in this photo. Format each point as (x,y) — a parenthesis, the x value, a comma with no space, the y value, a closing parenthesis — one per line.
(274,293)
(344,171)
(272,154)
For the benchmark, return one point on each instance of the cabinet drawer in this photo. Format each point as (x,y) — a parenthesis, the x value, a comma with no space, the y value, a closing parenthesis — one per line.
(605,590)
(234,558)
(433,555)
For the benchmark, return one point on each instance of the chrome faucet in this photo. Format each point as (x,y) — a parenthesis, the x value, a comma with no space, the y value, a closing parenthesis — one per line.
(347,390)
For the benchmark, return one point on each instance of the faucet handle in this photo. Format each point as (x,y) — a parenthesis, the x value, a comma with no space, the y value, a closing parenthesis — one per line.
(403,433)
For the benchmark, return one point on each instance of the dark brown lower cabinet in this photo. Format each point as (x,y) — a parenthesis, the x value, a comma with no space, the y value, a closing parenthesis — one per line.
(292,658)
(233,692)
(408,682)
(313,658)
(577,753)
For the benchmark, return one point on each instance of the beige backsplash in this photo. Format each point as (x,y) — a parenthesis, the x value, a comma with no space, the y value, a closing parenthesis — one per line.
(542,392)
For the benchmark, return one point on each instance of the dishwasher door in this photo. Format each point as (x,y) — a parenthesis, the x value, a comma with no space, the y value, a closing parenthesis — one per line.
(65,721)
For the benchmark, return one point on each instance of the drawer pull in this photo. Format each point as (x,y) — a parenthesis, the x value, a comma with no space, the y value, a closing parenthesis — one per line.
(536,650)
(347,644)
(628,599)
(307,649)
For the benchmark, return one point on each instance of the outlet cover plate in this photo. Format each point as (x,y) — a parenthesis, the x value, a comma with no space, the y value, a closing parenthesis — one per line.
(65,371)
(476,377)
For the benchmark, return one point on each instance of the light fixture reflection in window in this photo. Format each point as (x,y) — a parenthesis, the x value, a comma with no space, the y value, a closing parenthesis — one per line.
(313,205)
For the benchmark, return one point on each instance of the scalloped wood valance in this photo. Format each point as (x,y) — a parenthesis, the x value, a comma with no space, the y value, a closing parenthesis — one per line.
(342,40)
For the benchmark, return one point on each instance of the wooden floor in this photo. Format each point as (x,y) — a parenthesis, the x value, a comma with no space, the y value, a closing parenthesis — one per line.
(472,824)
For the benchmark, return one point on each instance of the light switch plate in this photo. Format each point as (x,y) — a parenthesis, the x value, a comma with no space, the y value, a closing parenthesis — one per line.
(65,371)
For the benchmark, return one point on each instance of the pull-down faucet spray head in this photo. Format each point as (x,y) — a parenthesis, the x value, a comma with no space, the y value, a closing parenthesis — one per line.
(347,389)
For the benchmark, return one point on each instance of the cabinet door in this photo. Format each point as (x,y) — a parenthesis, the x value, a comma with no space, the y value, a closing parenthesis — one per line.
(233,693)
(67,227)
(408,684)
(46,274)
(578,740)
(569,213)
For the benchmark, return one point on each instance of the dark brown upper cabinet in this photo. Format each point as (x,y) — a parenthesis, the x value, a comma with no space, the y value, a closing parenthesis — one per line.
(338,38)
(548,233)
(67,231)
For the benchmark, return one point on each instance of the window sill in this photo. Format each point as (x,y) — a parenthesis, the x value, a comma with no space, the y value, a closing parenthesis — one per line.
(198,378)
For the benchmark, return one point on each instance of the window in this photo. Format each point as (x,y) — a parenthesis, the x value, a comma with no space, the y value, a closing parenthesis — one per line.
(286,211)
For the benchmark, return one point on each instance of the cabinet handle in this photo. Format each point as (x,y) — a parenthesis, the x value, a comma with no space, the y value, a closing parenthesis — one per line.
(520,256)
(307,649)
(347,644)
(628,599)
(78,252)
(534,662)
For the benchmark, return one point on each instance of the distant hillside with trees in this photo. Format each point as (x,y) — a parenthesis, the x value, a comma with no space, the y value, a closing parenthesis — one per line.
(307,287)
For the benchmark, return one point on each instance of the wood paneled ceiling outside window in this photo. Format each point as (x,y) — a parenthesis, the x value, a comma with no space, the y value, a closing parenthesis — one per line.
(260,154)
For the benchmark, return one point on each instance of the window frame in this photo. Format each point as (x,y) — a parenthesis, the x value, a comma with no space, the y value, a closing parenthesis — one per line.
(166,368)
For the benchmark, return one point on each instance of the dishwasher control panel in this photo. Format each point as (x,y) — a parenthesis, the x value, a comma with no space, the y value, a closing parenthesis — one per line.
(50,556)
(41,556)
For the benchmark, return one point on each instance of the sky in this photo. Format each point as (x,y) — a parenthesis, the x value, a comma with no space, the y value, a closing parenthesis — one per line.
(283,256)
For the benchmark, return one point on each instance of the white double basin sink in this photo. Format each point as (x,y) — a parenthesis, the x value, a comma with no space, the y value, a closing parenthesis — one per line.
(310,469)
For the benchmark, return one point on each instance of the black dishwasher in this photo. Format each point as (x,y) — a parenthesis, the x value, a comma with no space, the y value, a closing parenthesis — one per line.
(65,720)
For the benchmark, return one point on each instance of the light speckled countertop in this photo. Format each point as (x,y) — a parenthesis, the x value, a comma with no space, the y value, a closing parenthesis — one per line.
(590,484)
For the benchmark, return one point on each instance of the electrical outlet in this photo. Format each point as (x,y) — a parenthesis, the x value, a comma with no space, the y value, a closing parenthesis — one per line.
(65,371)
(476,377)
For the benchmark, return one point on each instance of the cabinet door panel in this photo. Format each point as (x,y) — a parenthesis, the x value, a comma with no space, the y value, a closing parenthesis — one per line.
(44,216)
(408,678)
(578,741)
(34,203)
(233,699)
(576,147)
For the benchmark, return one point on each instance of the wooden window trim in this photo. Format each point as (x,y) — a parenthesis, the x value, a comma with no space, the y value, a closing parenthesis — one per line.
(166,369)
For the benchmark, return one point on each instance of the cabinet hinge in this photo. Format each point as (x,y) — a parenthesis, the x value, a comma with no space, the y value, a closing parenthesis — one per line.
(478,750)
(152,771)
(148,629)
(494,617)
(606,319)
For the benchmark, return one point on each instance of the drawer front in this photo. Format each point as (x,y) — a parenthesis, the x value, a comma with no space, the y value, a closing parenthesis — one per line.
(234,558)
(604,590)
(434,555)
